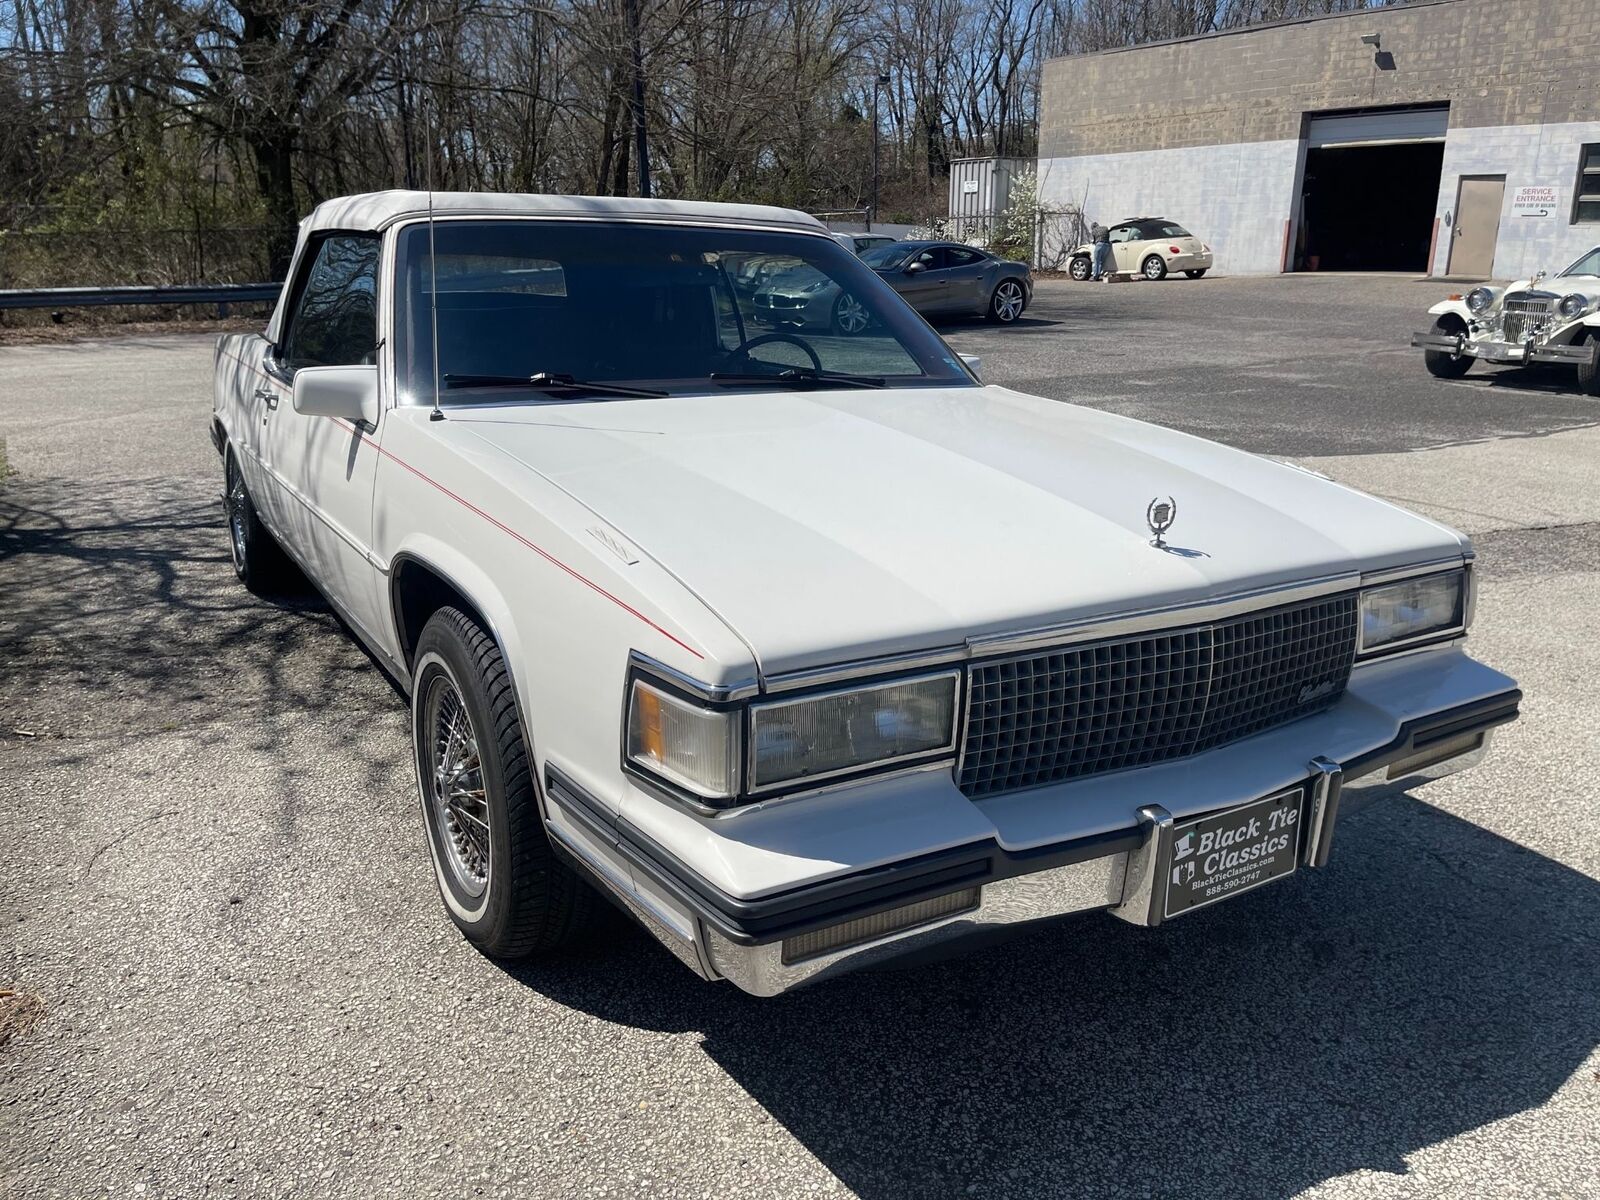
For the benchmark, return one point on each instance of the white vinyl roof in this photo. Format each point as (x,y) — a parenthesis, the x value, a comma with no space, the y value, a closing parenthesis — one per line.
(377,210)
(374,211)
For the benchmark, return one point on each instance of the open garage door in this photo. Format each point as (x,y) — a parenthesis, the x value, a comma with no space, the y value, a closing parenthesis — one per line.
(1370,188)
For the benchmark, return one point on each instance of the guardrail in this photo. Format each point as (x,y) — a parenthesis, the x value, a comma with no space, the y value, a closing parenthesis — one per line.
(83,297)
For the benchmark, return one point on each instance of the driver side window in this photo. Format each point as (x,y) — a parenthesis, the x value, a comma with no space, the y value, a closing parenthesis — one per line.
(335,318)
(1123,233)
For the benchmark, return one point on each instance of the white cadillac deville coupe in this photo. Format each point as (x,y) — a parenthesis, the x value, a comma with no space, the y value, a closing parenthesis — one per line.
(809,650)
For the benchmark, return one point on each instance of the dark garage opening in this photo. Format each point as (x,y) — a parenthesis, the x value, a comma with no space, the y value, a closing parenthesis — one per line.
(1369,208)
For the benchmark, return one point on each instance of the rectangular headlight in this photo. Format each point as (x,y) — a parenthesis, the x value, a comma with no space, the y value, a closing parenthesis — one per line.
(693,747)
(1397,614)
(817,737)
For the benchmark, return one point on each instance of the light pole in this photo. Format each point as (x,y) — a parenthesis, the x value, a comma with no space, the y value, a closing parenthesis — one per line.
(878,81)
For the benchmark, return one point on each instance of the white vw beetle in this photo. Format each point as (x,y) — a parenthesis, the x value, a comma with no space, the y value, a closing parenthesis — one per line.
(809,649)
(1530,321)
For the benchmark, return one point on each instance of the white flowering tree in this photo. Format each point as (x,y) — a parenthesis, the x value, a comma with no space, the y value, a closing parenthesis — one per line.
(1015,228)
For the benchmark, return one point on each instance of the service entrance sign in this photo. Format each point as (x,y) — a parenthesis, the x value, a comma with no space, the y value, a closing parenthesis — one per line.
(1533,201)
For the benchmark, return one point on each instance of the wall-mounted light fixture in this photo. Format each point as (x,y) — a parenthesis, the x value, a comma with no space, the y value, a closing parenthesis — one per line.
(1375,40)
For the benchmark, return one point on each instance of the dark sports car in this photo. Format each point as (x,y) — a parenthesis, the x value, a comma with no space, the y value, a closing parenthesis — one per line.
(938,279)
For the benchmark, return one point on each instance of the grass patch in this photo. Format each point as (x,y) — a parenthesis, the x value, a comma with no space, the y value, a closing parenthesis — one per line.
(19,1011)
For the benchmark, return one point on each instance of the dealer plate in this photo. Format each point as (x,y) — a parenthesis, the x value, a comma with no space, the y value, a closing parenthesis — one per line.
(1230,852)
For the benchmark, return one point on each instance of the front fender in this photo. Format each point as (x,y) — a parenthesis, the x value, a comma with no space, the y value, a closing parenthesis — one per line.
(467,577)
(1455,307)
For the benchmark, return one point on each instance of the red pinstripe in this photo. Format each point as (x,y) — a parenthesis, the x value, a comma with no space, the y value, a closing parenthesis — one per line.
(498,524)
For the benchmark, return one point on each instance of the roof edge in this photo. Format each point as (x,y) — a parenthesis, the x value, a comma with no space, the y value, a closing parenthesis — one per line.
(1310,18)
(376,211)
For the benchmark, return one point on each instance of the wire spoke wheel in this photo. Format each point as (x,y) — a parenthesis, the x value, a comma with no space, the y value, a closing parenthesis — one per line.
(236,517)
(456,791)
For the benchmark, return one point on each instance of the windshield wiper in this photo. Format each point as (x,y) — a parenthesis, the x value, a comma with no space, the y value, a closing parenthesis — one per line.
(549,381)
(800,377)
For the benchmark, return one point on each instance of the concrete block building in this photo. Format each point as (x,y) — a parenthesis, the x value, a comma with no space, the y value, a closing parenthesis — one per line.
(1449,137)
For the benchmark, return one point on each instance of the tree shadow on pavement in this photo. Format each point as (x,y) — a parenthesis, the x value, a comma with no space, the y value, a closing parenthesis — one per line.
(1433,979)
(121,616)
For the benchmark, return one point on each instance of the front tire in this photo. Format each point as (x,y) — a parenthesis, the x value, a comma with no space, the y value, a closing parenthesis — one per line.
(1080,268)
(1589,373)
(1007,302)
(1447,366)
(258,560)
(498,876)
(1154,268)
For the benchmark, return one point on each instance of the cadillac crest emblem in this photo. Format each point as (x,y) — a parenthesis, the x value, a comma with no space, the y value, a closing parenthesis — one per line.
(1160,516)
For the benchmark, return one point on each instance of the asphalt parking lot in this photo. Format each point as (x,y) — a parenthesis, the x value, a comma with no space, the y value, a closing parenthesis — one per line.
(215,879)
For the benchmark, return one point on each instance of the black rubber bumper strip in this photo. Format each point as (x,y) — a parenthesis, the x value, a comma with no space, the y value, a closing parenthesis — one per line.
(862,893)
(1417,735)
(818,905)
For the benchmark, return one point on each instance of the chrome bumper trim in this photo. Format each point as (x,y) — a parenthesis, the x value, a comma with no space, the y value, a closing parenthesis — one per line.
(1580,355)
(1129,885)
(1507,352)
(1057,892)
(1124,872)
(1441,343)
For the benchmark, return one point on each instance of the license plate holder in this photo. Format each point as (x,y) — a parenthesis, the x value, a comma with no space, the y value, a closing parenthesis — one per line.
(1227,853)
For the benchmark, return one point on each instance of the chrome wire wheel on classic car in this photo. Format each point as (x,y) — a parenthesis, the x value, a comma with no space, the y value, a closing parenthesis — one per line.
(1154,267)
(850,316)
(453,785)
(1080,268)
(498,876)
(1006,305)
(258,560)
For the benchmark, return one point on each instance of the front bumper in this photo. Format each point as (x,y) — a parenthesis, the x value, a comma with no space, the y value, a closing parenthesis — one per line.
(1461,346)
(769,945)
(777,309)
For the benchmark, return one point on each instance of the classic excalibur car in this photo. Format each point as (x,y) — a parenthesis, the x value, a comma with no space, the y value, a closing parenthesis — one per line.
(809,649)
(1530,321)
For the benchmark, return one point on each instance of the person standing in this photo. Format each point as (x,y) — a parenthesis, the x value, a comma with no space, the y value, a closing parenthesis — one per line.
(1101,237)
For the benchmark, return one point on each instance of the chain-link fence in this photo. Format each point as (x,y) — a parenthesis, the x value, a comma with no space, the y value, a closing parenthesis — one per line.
(106,257)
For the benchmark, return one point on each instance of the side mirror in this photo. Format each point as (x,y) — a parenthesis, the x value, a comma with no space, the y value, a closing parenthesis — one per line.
(974,364)
(349,393)
(916,267)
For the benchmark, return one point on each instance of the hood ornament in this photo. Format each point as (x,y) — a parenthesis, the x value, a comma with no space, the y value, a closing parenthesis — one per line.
(1160,516)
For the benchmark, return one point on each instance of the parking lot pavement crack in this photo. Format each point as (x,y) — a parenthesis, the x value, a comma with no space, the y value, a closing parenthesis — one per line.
(112,843)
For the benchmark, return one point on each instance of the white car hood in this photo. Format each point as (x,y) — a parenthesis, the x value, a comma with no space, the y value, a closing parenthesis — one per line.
(833,525)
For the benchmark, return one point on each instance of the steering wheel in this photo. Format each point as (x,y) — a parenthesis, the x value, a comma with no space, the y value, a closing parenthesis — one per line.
(743,351)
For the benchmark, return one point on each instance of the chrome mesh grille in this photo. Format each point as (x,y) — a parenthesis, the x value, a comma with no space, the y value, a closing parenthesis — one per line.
(1104,706)
(1526,316)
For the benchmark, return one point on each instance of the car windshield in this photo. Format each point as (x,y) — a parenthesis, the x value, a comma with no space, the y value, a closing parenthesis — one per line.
(667,308)
(1589,264)
(887,258)
(1165,229)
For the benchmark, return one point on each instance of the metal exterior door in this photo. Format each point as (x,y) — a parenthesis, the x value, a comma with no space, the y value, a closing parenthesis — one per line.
(1477,225)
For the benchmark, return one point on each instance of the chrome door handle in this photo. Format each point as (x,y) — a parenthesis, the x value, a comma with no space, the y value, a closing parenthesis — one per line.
(267,396)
